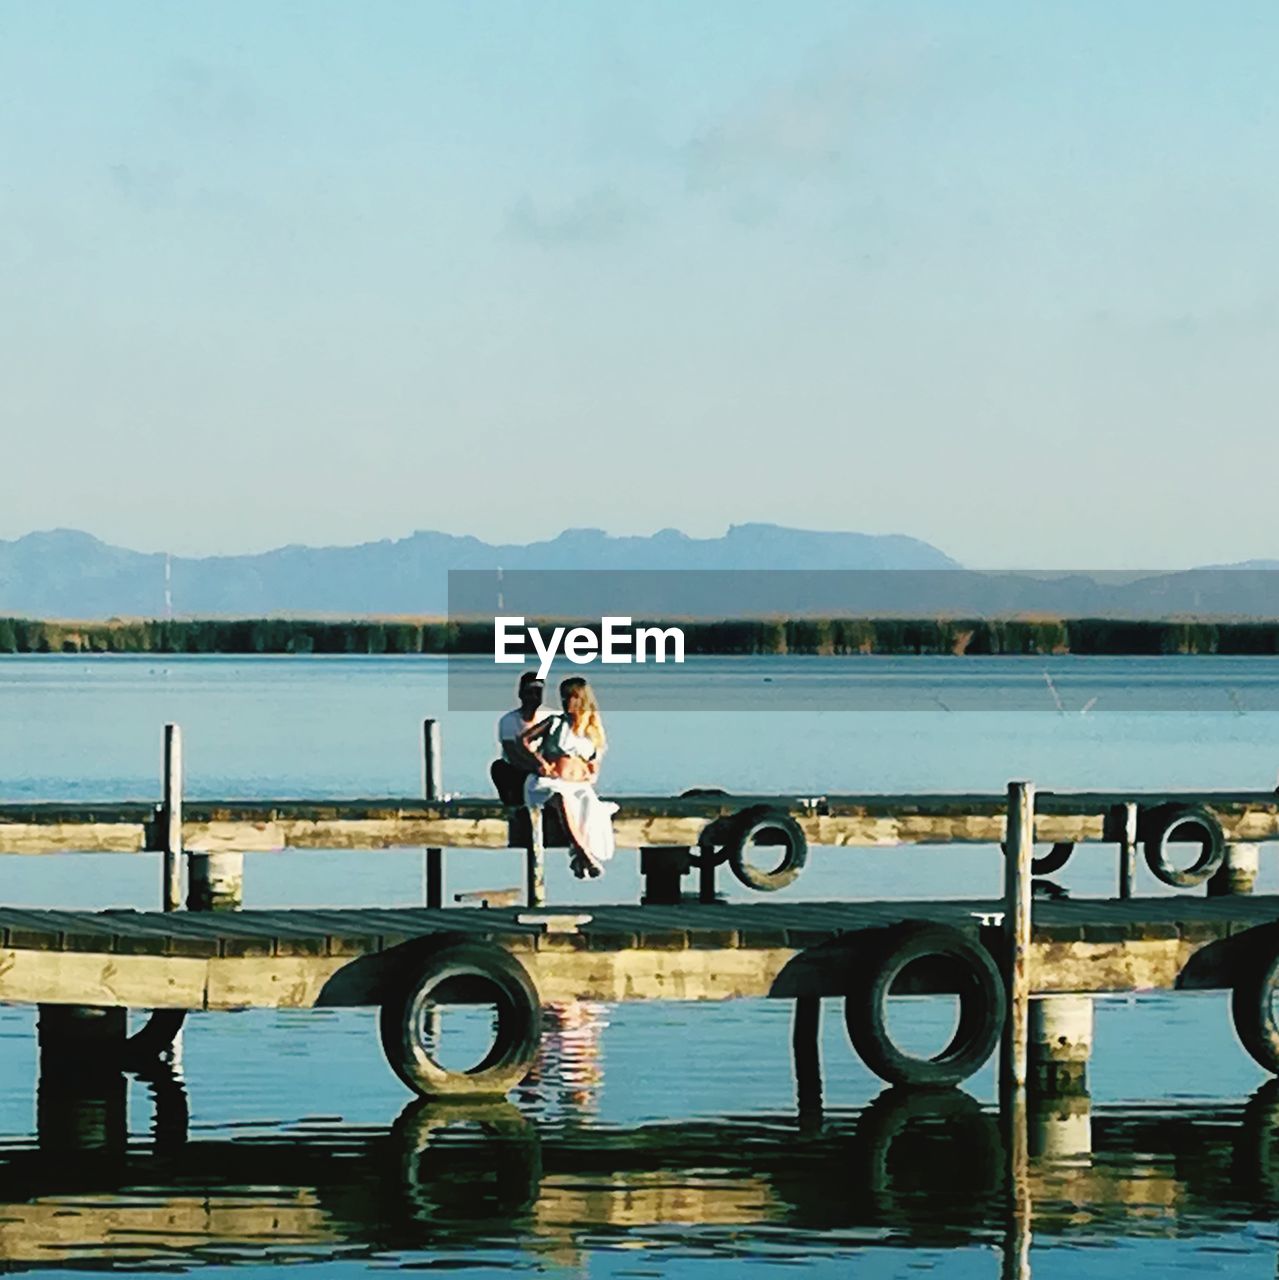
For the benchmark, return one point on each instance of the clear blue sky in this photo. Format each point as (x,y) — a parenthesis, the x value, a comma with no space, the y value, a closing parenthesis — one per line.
(1002,276)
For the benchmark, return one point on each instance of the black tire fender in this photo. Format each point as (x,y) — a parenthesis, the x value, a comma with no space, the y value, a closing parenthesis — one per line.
(777,828)
(1170,819)
(981,1006)
(1252,1007)
(519,1022)
(1047,864)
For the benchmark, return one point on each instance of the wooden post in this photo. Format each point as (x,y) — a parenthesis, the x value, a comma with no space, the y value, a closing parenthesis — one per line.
(535,868)
(433,869)
(431,760)
(663,868)
(434,872)
(1238,871)
(433,858)
(1061,1038)
(1020,843)
(171,889)
(1128,851)
(215,880)
(706,873)
(806,1045)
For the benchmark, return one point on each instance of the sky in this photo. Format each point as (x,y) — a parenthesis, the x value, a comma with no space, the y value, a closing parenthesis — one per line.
(1000,276)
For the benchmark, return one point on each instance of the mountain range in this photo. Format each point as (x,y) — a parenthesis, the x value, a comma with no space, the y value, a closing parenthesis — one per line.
(65,573)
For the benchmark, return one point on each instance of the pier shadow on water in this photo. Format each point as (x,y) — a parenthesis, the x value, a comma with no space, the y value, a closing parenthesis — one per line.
(914,1180)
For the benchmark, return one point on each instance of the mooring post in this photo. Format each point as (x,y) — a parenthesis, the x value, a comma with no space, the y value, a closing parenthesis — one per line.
(663,868)
(431,790)
(1238,871)
(535,862)
(1128,851)
(215,880)
(806,1045)
(706,873)
(1020,844)
(1061,1038)
(171,891)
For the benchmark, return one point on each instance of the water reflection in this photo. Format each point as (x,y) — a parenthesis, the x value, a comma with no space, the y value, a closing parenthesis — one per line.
(564,1084)
(460,1184)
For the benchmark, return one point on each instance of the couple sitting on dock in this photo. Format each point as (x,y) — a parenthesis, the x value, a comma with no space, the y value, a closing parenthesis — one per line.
(555,756)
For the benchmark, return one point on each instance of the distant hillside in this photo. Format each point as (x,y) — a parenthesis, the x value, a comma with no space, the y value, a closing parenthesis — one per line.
(64,573)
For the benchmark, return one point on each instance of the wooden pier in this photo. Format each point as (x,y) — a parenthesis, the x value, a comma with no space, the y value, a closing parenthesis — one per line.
(296,958)
(996,954)
(870,821)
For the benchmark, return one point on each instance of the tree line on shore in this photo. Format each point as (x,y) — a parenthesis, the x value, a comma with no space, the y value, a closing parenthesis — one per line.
(898,636)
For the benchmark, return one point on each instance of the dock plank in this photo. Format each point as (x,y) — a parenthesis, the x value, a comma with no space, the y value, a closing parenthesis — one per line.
(291,957)
(482,823)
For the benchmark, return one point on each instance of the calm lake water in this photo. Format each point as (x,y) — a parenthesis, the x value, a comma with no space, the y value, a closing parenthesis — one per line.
(654,1140)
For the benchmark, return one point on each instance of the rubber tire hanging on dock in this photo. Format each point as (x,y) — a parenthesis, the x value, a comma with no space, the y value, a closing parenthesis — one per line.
(518,1030)
(1252,1008)
(1047,864)
(780,829)
(981,1006)
(1172,818)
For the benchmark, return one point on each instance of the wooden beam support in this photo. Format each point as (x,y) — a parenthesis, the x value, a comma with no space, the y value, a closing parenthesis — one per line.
(806,1046)
(172,826)
(1020,846)
(535,861)
(432,755)
(1128,850)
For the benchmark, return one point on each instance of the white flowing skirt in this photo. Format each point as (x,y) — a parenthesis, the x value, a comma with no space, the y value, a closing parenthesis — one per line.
(590,819)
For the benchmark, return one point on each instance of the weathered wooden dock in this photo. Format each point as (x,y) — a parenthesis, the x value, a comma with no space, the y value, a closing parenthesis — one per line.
(296,958)
(644,821)
(995,954)
(1024,968)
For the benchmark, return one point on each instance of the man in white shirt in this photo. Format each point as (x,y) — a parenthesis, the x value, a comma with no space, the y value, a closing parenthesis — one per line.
(517,762)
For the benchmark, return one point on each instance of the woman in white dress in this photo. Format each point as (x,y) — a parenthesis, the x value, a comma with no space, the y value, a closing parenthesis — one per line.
(568,749)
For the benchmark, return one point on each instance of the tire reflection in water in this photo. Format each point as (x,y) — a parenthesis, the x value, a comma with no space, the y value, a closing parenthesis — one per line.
(483,1182)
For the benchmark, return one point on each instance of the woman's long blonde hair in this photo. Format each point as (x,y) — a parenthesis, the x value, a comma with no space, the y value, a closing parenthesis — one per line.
(583,711)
